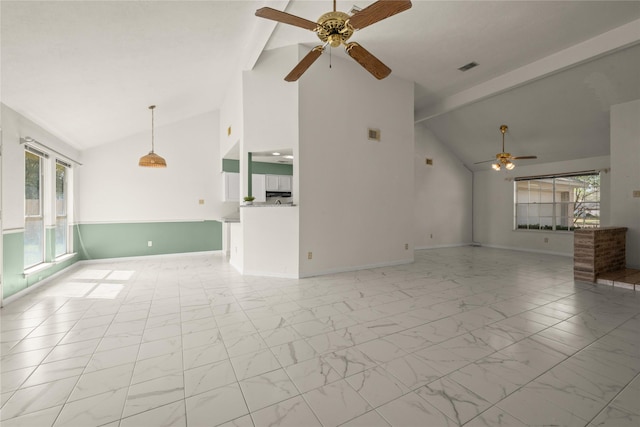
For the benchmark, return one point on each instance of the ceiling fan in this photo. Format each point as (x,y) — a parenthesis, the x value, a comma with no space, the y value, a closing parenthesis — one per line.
(503,158)
(335,28)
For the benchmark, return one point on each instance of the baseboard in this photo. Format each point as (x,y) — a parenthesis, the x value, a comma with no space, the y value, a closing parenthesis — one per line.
(356,268)
(270,274)
(455,245)
(537,251)
(143,257)
(35,286)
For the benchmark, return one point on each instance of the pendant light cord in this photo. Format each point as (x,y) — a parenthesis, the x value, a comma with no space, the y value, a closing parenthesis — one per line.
(152,126)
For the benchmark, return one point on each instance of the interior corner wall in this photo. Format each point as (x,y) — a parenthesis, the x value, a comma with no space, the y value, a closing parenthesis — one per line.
(121,206)
(14,126)
(443,194)
(356,194)
(625,175)
(493,207)
(231,116)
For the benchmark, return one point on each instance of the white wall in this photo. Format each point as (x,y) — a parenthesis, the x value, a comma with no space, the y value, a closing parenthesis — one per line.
(15,126)
(270,241)
(231,116)
(625,175)
(270,110)
(113,188)
(493,206)
(356,195)
(443,194)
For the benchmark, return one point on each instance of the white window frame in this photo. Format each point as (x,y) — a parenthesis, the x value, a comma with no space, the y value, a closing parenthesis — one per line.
(555,204)
(42,183)
(67,207)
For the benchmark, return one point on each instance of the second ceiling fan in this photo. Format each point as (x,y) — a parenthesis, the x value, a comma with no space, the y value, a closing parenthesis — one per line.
(335,28)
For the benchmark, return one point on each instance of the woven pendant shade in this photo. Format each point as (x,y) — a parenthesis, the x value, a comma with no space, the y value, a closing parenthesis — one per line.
(152,160)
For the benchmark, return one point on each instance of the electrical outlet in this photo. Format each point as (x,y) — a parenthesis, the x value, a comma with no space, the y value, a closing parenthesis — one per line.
(546,240)
(431,236)
(636,193)
(406,246)
(310,255)
(149,243)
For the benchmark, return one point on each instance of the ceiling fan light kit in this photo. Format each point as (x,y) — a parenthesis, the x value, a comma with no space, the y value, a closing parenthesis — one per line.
(504,159)
(335,28)
(152,160)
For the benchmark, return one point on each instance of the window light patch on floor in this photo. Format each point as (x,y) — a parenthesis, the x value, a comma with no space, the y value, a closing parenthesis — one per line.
(91,274)
(120,275)
(69,289)
(106,291)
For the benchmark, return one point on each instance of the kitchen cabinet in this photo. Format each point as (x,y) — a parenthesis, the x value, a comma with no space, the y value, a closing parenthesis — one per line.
(231,190)
(258,187)
(278,182)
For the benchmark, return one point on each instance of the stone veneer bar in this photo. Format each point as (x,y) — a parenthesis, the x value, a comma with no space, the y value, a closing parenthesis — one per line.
(597,251)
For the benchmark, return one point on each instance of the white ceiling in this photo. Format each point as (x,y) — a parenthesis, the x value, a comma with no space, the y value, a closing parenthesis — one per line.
(87,70)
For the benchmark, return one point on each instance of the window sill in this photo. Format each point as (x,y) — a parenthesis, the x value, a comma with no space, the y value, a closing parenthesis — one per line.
(36,269)
(40,267)
(63,258)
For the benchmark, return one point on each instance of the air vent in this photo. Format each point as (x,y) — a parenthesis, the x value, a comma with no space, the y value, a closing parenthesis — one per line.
(428,161)
(374,134)
(468,66)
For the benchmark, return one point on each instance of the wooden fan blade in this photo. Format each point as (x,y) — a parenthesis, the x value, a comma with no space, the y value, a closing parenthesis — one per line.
(285,18)
(524,157)
(368,61)
(485,161)
(382,9)
(303,65)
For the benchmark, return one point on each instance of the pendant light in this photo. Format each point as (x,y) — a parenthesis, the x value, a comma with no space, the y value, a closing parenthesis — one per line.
(152,160)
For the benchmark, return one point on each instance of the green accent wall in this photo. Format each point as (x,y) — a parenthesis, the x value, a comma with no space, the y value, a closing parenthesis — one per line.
(97,241)
(229,165)
(13,265)
(272,168)
(258,167)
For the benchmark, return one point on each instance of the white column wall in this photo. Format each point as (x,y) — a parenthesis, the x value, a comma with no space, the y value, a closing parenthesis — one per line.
(357,195)
(625,175)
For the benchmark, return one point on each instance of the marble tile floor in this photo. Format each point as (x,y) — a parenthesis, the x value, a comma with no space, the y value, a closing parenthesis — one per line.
(464,336)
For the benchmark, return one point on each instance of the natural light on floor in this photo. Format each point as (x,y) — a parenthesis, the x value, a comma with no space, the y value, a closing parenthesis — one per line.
(93,287)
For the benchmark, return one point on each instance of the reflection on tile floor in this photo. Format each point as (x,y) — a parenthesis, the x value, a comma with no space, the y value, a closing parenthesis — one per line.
(464,336)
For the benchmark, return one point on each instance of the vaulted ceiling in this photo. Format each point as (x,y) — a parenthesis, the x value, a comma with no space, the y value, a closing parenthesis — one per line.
(549,69)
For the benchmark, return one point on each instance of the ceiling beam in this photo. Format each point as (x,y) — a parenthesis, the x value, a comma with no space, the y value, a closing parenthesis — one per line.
(261,34)
(603,44)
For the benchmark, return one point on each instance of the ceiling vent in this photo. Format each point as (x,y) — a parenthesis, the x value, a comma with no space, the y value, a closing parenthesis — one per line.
(468,66)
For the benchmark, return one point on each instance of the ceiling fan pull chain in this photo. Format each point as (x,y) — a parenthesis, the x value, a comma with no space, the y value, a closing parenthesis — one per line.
(330,50)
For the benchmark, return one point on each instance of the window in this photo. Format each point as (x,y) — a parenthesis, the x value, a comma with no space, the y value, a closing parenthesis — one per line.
(62,204)
(33,208)
(563,202)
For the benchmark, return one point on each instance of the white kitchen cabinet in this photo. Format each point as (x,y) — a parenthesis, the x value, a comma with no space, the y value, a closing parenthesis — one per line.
(271,182)
(258,187)
(231,182)
(278,182)
(284,182)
